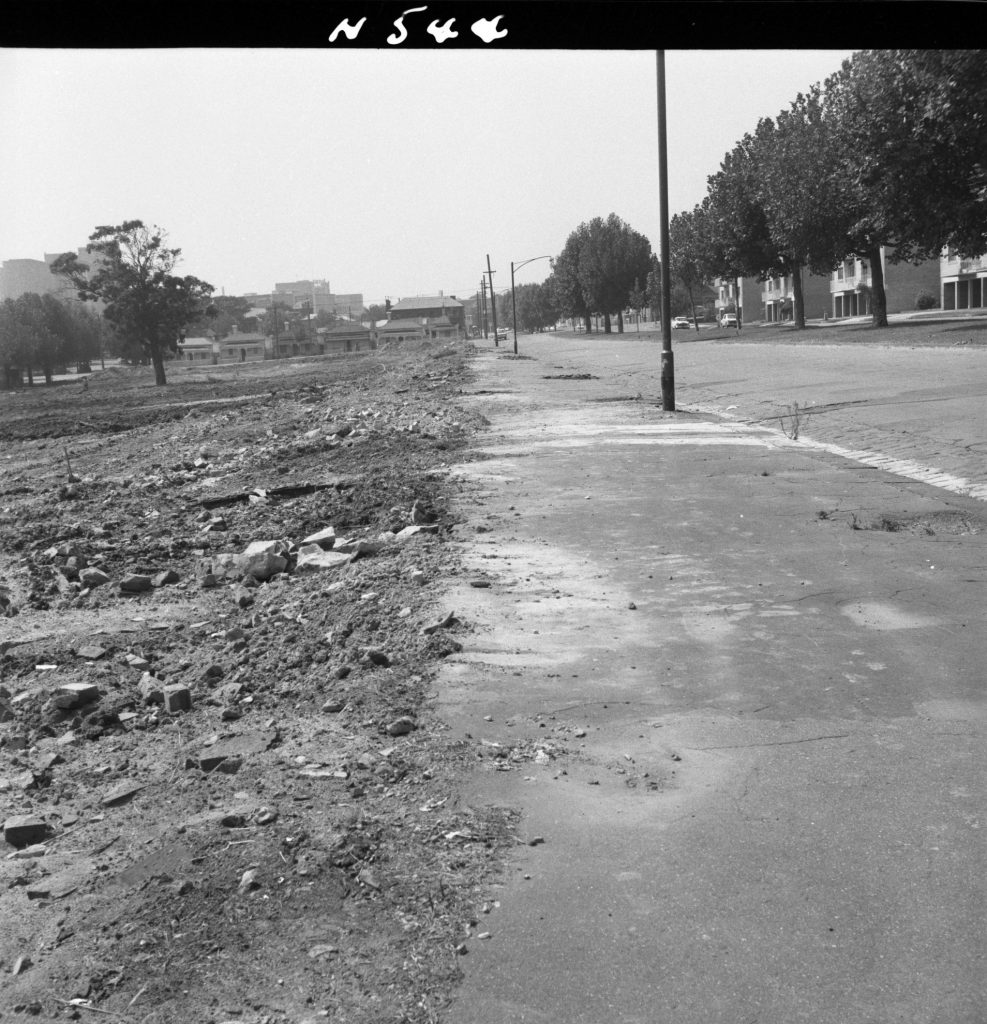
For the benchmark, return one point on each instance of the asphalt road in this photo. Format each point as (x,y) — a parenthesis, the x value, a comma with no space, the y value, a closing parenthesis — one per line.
(761,714)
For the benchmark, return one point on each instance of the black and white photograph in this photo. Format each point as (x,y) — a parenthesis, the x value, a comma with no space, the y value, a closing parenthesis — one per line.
(493,514)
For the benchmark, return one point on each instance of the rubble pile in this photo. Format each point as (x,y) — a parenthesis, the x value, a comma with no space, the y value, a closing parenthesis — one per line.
(221,786)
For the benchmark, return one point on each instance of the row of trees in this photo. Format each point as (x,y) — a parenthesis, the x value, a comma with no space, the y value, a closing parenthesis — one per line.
(890,152)
(39,331)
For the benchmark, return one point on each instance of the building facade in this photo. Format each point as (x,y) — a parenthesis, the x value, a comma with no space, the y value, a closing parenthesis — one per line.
(431,307)
(778,297)
(738,295)
(962,283)
(851,282)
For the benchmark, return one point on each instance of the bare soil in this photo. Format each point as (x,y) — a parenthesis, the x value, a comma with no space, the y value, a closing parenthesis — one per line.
(290,847)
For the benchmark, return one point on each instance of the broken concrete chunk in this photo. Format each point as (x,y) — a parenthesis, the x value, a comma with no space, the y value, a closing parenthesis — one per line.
(91,652)
(121,794)
(151,689)
(324,538)
(166,578)
(177,698)
(135,583)
(449,620)
(24,830)
(312,557)
(401,726)
(74,695)
(93,578)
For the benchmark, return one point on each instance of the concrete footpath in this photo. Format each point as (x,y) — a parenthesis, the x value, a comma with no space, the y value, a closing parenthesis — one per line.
(735,685)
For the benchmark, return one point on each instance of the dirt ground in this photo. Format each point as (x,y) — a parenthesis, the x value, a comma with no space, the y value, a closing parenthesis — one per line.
(226,795)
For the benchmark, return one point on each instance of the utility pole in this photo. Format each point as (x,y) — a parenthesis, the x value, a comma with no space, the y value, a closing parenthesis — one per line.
(493,300)
(483,291)
(667,361)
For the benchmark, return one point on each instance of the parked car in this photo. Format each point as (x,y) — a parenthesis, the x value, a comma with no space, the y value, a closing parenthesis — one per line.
(681,321)
(728,320)
(501,334)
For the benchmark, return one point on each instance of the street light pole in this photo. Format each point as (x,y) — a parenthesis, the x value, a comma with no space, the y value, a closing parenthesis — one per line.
(518,266)
(493,301)
(667,362)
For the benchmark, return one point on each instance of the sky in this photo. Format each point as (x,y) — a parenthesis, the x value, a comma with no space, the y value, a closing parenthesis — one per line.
(392,173)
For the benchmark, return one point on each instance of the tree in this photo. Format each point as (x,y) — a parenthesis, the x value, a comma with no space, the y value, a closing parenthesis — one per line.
(637,297)
(653,287)
(535,308)
(13,343)
(567,289)
(911,131)
(612,257)
(689,252)
(132,275)
(378,312)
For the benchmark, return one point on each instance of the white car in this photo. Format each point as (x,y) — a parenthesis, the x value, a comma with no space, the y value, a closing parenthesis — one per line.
(681,321)
(728,320)
(501,334)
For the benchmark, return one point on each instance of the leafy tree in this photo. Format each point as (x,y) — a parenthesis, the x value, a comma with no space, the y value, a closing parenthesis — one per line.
(653,287)
(567,289)
(535,308)
(637,298)
(14,345)
(689,252)
(911,132)
(132,275)
(223,316)
(378,312)
(613,256)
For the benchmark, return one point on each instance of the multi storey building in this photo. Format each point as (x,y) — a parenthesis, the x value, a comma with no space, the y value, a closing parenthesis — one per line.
(850,285)
(963,283)
(738,296)
(778,296)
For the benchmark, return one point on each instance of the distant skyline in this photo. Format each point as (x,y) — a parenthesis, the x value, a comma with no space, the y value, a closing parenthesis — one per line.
(390,173)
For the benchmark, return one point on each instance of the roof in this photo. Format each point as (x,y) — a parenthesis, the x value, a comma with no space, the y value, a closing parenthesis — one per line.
(402,325)
(427,302)
(440,321)
(238,338)
(345,327)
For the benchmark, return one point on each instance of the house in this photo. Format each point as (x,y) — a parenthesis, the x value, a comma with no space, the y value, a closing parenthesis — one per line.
(344,336)
(441,327)
(234,348)
(778,297)
(427,307)
(401,329)
(203,349)
(962,283)
(242,347)
(850,285)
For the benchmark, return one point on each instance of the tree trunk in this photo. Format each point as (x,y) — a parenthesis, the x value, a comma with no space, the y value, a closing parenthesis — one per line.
(48,376)
(589,323)
(879,301)
(30,376)
(157,360)
(607,326)
(620,321)
(798,296)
